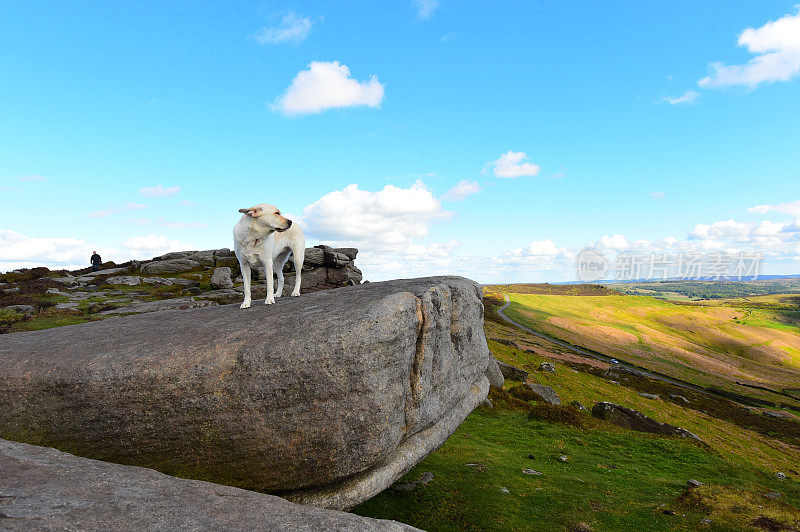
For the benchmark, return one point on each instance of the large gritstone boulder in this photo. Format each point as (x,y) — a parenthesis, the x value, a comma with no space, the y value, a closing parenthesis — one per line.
(45,489)
(325,399)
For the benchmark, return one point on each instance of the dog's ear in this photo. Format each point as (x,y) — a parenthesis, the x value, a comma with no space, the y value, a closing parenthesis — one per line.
(252,212)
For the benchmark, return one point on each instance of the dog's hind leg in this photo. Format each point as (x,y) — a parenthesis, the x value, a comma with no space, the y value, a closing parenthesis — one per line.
(298,256)
(246,278)
(277,265)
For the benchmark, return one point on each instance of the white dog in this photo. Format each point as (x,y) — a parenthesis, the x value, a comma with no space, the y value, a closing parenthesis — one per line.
(265,237)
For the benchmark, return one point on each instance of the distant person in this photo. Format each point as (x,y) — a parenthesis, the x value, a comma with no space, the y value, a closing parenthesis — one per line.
(96,261)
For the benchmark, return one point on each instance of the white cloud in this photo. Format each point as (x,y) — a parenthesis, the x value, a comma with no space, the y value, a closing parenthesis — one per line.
(158,191)
(463,188)
(426,8)
(615,243)
(328,85)
(108,211)
(292,28)
(34,178)
(387,219)
(513,164)
(727,229)
(656,195)
(776,46)
(686,97)
(792,208)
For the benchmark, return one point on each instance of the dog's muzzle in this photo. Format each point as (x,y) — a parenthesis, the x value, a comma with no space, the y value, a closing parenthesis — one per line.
(285,228)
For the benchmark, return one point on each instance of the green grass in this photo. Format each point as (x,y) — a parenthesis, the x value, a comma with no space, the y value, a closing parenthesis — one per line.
(613,479)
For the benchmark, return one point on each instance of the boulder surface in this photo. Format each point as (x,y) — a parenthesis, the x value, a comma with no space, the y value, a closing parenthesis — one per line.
(45,489)
(635,420)
(325,399)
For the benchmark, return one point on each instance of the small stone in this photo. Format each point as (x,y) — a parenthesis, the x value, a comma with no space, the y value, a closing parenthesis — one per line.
(562,458)
(531,457)
(578,406)
(528,471)
(706,521)
(773,495)
(679,398)
(487,403)
(668,512)
(653,396)
(780,476)
(125,280)
(11,290)
(547,367)
(23,309)
(692,483)
(221,278)
(504,490)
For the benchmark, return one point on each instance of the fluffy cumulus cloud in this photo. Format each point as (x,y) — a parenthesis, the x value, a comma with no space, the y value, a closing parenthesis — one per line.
(727,229)
(22,251)
(328,85)
(513,164)
(463,188)
(292,28)
(792,208)
(158,191)
(686,97)
(390,218)
(776,47)
(426,8)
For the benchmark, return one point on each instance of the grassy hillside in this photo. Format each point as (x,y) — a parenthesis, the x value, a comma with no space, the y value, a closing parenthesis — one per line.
(718,344)
(612,479)
(692,290)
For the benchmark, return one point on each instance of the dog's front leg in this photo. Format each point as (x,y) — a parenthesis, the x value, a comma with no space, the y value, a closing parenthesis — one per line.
(246,278)
(268,270)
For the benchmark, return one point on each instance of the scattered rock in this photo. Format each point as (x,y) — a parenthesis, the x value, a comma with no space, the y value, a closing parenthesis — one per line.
(205,258)
(679,398)
(47,489)
(13,290)
(157,280)
(531,472)
(22,309)
(424,479)
(545,393)
(504,489)
(706,521)
(579,406)
(780,476)
(55,292)
(67,305)
(778,414)
(125,280)
(178,265)
(547,367)
(562,458)
(221,278)
(366,374)
(631,419)
(512,372)
(773,495)
(692,483)
(652,396)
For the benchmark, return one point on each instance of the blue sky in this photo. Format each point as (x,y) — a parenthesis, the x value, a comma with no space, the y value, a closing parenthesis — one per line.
(490,140)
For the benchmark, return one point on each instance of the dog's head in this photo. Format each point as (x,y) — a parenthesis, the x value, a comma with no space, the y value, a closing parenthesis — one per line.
(268,216)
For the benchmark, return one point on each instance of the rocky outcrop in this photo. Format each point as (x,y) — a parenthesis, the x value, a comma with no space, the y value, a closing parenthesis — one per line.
(221,278)
(325,399)
(634,420)
(45,489)
(512,372)
(545,393)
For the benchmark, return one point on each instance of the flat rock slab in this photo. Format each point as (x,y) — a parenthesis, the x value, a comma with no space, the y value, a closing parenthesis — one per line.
(45,489)
(635,420)
(180,303)
(327,399)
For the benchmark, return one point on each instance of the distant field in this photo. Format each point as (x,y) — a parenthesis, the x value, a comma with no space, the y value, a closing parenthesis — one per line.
(754,341)
(693,290)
